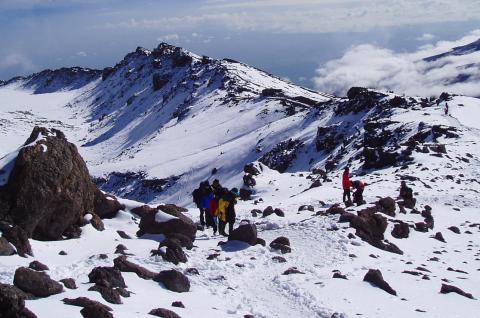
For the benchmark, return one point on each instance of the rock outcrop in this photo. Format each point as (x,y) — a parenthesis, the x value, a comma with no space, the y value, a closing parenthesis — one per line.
(49,190)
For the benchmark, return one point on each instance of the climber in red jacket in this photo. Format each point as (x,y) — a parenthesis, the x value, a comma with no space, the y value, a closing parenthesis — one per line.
(346,186)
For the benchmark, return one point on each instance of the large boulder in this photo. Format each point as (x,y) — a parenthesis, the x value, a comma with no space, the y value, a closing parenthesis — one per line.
(167,220)
(36,283)
(122,264)
(401,230)
(173,280)
(375,277)
(245,233)
(12,303)
(49,187)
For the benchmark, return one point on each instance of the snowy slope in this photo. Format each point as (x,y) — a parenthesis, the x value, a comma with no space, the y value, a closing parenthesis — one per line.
(206,114)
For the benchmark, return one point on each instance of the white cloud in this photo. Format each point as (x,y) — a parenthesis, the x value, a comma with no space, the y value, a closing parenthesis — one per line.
(81,54)
(370,66)
(426,37)
(17,60)
(312,16)
(168,38)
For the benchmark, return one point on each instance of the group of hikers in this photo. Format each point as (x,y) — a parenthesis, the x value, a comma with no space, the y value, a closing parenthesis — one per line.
(216,205)
(358,185)
(406,193)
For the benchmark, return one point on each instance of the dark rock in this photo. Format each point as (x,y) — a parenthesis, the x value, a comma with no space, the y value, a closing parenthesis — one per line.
(401,230)
(143,210)
(19,238)
(261,241)
(122,264)
(62,253)
(106,206)
(439,236)
(306,208)
(282,248)
(255,212)
(267,211)
(454,229)
(95,311)
(123,235)
(178,304)
(36,283)
(69,283)
(281,240)
(279,212)
(245,194)
(85,302)
(346,217)
(109,294)
(158,81)
(180,224)
(339,275)
(245,233)
(184,240)
(106,276)
(421,227)
(51,190)
(5,248)
(173,280)
(374,276)
(36,265)
(335,209)
(174,253)
(387,206)
(164,313)
(452,289)
(279,259)
(12,302)
(292,270)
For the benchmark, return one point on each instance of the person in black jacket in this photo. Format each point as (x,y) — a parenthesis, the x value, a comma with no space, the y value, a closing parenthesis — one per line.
(197,199)
(231,215)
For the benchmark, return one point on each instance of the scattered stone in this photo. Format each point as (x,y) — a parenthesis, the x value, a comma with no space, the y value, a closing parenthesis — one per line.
(124,235)
(245,233)
(452,289)
(255,212)
(401,230)
(19,238)
(267,211)
(454,229)
(109,294)
(292,270)
(279,259)
(122,264)
(95,311)
(173,254)
(374,276)
(421,227)
(387,206)
(36,283)
(279,212)
(107,276)
(173,280)
(164,313)
(438,236)
(339,275)
(85,302)
(63,253)
(69,283)
(335,209)
(178,304)
(6,249)
(36,265)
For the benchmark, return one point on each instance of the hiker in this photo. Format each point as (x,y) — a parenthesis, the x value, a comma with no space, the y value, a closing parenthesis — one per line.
(223,204)
(217,188)
(197,199)
(231,215)
(346,187)
(446,109)
(358,185)
(406,195)
(208,203)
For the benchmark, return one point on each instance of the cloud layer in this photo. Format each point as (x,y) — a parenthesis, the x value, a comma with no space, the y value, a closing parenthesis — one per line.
(370,66)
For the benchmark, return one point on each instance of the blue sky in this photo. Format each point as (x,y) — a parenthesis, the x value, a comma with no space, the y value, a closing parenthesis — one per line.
(290,38)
